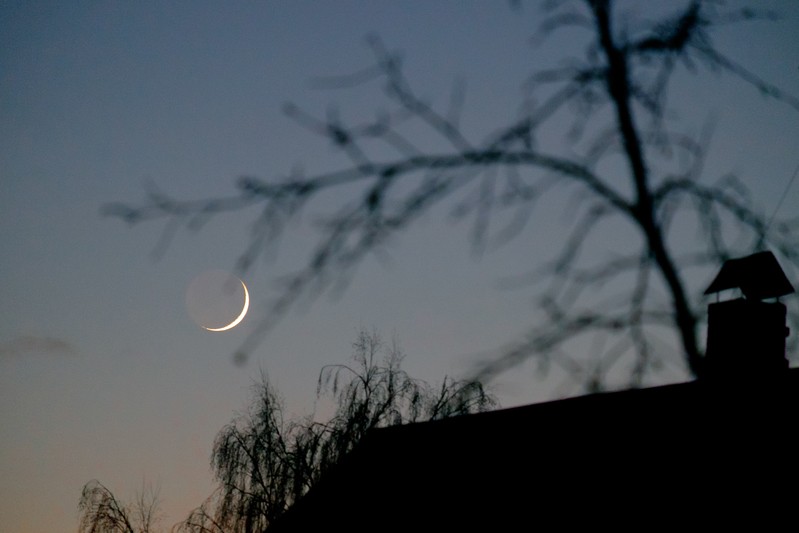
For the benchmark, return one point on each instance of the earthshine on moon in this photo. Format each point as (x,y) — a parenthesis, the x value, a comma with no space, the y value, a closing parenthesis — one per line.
(214,300)
(241,315)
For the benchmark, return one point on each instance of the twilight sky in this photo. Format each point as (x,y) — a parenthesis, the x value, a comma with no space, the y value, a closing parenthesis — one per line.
(103,373)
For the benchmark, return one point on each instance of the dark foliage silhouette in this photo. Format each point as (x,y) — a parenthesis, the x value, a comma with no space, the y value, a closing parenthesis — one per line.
(264,463)
(102,512)
(615,97)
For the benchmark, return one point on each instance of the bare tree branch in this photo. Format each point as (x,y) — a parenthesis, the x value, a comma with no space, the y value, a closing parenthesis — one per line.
(615,96)
(264,463)
(102,512)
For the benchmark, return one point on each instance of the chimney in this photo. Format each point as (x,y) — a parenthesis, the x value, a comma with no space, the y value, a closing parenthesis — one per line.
(746,336)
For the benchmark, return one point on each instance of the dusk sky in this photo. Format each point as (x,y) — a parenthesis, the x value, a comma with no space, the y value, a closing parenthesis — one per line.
(104,374)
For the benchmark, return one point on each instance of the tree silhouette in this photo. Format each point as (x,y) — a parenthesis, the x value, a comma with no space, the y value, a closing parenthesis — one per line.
(616,98)
(102,512)
(264,463)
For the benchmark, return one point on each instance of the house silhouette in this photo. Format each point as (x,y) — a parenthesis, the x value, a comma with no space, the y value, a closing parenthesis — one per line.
(712,453)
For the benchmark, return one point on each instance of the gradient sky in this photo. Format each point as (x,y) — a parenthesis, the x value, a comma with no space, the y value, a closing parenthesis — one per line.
(103,374)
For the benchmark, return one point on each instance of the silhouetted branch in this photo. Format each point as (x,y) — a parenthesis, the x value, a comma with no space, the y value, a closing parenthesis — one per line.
(615,96)
(264,463)
(102,512)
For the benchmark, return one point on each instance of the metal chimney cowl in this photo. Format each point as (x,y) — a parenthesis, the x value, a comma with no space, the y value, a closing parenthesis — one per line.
(746,336)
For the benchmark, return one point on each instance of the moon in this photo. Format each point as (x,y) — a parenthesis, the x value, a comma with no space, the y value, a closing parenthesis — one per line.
(214,300)
(241,315)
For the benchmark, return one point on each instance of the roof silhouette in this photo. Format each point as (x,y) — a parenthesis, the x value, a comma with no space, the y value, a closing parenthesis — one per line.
(637,457)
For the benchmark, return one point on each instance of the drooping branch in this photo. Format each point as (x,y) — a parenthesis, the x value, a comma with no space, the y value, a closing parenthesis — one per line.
(102,512)
(264,463)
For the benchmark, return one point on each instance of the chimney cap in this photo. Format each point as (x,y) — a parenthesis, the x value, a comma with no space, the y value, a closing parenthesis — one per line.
(758,276)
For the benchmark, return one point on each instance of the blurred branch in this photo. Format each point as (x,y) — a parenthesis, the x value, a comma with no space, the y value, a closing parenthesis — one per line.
(615,97)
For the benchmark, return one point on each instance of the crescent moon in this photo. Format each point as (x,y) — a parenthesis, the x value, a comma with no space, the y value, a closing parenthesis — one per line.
(241,315)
